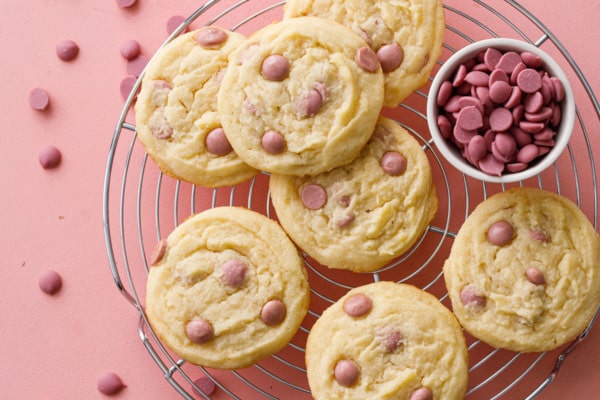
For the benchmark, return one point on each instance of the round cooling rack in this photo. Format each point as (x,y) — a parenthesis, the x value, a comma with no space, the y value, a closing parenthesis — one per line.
(141,206)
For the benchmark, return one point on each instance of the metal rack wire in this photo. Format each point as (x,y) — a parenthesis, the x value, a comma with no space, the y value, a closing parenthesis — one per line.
(141,206)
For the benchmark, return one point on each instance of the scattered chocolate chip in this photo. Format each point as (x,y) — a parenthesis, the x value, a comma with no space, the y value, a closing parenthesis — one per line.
(39,99)
(67,50)
(50,282)
(109,383)
(49,157)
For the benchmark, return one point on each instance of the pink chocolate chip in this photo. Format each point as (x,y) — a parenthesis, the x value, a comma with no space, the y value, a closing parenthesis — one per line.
(501,119)
(535,276)
(477,148)
(158,252)
(444,93)
(313,196)
(217,143)
(211,37)
(538,235)
(491,57)
(204,385)
(50,282)
(390,339)
(469,118)
(199,331)
(358,305)
(500,91)
(367,59)
(273,142)
(275,67)
(39,99)
(49,157)
(390,56)
(110,384)
(126,86)
(529,80)
(130,49)
(67,50)
(470,297)
(309,103)
(125,3)
(273,312)
(508,61)
(500,233)
(531,60)
(234,272)
(174,22)
(346,373)
(346,220)
(393,163)
(422,393)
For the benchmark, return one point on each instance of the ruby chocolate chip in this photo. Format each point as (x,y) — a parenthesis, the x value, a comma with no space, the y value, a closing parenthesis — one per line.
(422,393)
(273,312)
(470,297)
(67,50)
(358,305)
(273,142)
(393,163)
(199,331)
(130,49)
(211,37)
(535,276)
(313,196)
(39,99)
(346,373)
(204,385)
(367,59)
(390,56)
(49,157)
(110,384)
(217,143)
(50,282)
(234,272)
(275,67)
(506,97)
(500,233)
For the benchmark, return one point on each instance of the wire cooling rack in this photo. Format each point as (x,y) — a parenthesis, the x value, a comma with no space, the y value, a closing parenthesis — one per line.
(141,206)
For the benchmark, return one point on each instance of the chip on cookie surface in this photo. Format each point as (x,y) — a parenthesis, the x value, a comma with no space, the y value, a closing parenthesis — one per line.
(362,215)
(387,340)
(524,270)
(227,288)
(176,110)
(407,36)
(301,96)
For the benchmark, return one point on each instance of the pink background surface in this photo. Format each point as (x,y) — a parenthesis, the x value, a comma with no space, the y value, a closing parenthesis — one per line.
(56,347)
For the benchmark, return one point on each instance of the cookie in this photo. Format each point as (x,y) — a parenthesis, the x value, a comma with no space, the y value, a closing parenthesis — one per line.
(362,215)
(387,340)
(524,271)
(301,96)
(407,36)
(176,110)
(226,289)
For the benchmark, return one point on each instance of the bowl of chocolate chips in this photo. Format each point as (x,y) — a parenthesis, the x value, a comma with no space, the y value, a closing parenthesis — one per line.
(500,110)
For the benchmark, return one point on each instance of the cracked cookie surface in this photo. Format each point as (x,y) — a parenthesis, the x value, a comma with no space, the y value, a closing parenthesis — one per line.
(227,288)
(176,110)
(301,96)
(524,270)
(387,341)
(407,35)
(362,215)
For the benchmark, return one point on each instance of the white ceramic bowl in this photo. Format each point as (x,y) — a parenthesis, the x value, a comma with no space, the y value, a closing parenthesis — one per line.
(451,153)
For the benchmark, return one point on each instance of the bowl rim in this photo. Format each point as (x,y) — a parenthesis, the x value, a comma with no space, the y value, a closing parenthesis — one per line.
(564,130)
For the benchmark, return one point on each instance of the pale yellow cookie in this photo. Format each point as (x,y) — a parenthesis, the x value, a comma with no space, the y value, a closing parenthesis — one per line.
(387,341)
(301,96)
(524,271)
(362,215)
(176,110)
(407,35)
(227,288)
